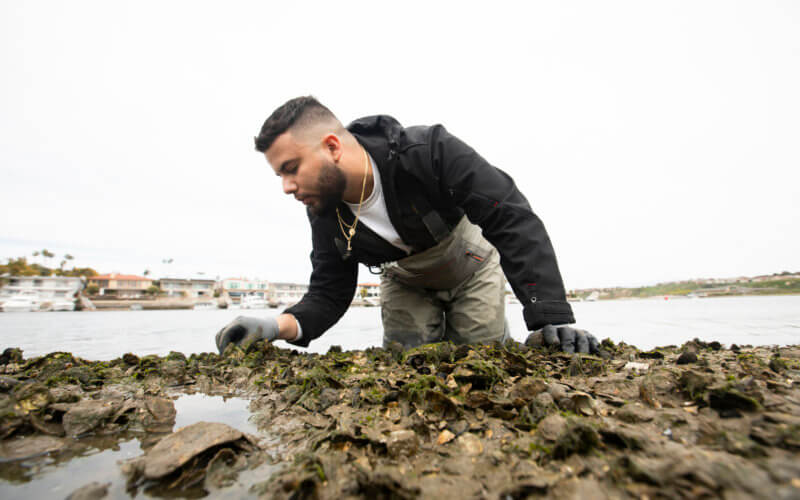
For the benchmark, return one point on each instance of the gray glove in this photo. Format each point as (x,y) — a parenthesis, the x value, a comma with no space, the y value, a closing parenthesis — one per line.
(245,330)
(565,338)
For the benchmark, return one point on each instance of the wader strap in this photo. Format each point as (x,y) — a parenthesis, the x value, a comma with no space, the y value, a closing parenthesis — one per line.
(436,226)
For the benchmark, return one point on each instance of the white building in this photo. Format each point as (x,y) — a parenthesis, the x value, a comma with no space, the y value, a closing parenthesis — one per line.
(199,285)
(49,289)
(237,287)
(286,293)
(368,294)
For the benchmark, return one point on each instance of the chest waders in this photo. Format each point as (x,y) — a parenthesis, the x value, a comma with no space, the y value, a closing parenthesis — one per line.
(453,291)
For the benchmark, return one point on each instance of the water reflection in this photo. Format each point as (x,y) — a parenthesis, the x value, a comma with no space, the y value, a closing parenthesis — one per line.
(96,458)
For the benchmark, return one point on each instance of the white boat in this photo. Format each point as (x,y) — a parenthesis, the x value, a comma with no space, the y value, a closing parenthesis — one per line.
(63,305)
(253,302)
(22,302)
(204,306)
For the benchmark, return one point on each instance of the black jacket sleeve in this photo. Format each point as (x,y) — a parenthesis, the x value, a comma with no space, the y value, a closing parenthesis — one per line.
(332,285)
(491,200)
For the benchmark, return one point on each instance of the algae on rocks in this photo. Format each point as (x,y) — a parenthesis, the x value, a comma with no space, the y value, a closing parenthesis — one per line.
(436,421)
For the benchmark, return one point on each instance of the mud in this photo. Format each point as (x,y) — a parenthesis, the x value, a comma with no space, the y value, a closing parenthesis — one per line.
(500,421)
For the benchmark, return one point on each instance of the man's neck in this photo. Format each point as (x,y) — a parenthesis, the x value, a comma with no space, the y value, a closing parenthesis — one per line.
(354,172)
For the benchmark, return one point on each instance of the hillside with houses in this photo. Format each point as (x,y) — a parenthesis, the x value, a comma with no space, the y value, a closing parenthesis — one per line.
(769,284)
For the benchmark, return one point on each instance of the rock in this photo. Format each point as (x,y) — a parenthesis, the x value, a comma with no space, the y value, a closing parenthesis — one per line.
(130,359)
(327,398)
(535,340)
(582,403)
(527,389)
(32,396)
(162,411)
(558,391)
(694,384)
(470,444)
(551,427)
(637,367)
(7,383)
(222,470)
(580,489)
(23,448)
(11,355)
(686,357)
(91,491)
(176,449)
(445,437)
(724,398)
(545,400)
(624,436)
(578,437)
(86,416)
(777,365)
(635,414)
(402,443)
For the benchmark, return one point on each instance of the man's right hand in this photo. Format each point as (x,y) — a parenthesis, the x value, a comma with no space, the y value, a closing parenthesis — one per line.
(245,330)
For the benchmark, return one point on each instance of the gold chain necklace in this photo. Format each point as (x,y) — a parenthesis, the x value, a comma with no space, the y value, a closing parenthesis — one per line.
(351,228)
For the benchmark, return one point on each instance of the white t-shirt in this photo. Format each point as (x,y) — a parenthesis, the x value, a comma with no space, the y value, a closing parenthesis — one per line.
(374,213)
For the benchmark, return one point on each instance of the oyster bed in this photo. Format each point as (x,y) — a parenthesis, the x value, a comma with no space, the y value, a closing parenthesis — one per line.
(499,421)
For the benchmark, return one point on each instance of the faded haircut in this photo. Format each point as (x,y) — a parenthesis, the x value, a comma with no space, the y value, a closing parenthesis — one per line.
(297,112)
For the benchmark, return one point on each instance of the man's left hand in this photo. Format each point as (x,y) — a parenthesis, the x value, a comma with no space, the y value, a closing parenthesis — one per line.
(565,338)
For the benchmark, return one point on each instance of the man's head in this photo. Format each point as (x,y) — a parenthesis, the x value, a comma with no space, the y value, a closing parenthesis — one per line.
(303,142)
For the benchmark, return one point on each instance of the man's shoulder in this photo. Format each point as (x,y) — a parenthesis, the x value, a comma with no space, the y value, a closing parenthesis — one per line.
(391,129)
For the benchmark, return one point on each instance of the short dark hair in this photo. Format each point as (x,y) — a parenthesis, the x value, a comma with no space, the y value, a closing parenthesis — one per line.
(298,110)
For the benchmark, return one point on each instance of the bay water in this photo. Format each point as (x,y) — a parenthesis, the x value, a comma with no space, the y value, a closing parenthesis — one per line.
(645,323)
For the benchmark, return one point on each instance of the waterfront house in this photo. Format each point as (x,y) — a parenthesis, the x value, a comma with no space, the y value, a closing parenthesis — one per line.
(368,294)
(236,288)
(195,286)
(48,289)
(286,293)
(122,286)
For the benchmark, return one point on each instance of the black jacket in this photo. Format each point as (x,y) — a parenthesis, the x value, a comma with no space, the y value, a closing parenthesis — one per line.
(423,168)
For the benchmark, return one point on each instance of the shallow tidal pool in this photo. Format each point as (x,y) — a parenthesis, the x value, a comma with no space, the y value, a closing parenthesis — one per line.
(95,459)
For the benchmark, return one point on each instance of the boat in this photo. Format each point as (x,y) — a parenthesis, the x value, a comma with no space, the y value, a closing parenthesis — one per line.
(62,305)
(204,306)
(253,302)
(22,302)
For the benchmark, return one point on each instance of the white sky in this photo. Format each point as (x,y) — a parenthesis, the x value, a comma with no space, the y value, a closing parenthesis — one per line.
(657,140)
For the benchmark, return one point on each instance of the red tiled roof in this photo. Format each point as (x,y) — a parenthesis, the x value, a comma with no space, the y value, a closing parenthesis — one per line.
(126,277)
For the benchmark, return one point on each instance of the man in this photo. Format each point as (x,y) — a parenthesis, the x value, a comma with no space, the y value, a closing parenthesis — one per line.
(441,224)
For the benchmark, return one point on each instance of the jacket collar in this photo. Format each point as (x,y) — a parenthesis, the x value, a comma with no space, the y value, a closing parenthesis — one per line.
(382,135)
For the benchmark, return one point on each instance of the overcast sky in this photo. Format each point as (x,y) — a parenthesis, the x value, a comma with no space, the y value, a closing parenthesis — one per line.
(656,140)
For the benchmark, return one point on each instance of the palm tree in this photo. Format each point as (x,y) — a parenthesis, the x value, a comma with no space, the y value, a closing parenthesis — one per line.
(47,254)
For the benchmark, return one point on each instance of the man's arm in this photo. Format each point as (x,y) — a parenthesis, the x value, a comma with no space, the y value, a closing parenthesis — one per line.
(330,290)
(491,200)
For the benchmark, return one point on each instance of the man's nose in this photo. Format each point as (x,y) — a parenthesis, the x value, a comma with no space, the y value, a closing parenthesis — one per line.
(289,185)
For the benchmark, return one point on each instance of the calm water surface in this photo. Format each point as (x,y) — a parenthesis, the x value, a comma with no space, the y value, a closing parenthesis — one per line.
(644,323)
(58,476)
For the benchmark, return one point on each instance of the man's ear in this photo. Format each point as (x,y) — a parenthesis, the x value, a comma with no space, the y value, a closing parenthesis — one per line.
(333,145)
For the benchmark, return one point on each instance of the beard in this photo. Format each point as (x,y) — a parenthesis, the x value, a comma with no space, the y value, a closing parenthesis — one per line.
(330,184)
